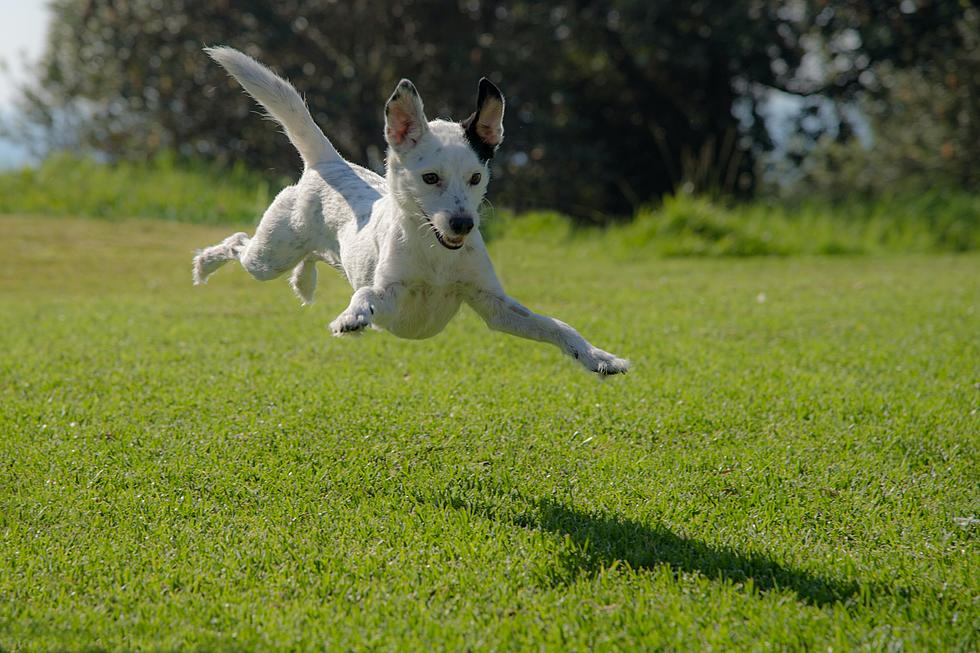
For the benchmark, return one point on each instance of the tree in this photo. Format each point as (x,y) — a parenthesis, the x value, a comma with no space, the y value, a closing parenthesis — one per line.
(611,103)
(919,84)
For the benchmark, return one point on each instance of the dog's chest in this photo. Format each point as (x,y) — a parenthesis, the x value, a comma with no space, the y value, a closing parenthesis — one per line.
(424,309)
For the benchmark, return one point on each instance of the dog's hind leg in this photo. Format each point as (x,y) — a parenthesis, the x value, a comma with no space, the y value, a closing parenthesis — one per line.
(285,237)
(303,279)
(211,258)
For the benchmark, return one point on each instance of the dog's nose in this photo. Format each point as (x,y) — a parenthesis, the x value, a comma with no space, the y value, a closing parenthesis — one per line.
(461,224)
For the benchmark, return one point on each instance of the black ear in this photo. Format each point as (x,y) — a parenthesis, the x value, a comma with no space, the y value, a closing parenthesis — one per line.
(484,129)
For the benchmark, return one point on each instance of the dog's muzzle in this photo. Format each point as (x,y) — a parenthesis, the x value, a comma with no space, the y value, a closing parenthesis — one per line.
(460,224)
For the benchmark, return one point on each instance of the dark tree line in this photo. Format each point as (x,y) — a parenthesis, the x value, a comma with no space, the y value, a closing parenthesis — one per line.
(610,103)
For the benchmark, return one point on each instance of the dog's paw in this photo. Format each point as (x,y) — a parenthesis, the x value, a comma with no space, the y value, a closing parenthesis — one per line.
(602,362)
(349,322)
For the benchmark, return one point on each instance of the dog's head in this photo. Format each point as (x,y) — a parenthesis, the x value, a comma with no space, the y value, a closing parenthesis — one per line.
(438,171)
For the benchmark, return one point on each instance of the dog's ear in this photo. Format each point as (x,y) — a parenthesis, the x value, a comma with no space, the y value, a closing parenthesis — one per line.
(405,122)
(485,128)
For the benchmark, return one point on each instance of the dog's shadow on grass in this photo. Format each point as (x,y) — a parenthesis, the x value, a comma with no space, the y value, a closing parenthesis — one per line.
(603,541)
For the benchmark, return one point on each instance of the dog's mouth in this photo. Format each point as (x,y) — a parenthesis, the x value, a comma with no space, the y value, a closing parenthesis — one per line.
(446,241)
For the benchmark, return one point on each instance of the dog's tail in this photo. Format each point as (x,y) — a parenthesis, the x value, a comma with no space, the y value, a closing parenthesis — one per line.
(281,100)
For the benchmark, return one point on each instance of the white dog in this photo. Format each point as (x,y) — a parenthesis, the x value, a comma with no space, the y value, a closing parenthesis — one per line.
(409,243)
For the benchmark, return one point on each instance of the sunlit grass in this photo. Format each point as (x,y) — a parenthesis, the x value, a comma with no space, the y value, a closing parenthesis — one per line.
(792,463)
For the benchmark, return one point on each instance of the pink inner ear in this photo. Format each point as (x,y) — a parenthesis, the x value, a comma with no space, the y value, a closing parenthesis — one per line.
(399,124)
(489,127)
(489,134)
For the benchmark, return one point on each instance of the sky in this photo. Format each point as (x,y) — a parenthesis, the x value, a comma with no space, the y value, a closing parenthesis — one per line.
(21,35)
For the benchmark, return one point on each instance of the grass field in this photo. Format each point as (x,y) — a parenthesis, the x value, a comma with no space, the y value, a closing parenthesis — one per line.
(793,463)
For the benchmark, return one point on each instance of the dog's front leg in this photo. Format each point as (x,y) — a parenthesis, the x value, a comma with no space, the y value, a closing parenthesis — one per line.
(365,304)
(502,313)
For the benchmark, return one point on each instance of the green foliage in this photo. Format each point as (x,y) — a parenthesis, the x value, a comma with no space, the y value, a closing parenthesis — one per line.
(941,219)
(922,106)
(914,145)
(631,99)
(130,79)
(70,185)
(691,226)
(791,464)
(684,225)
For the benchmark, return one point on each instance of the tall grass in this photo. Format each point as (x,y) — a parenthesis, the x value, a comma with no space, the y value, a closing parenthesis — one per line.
(685,225)
(161,188)
(942,219)
(939,220)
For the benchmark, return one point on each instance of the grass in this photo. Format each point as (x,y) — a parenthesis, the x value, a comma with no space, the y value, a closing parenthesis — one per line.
(791,465)
(938,220)
(69,185)
(934,220)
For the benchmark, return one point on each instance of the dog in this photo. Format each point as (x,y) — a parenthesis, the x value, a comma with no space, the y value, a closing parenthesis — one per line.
(409,243)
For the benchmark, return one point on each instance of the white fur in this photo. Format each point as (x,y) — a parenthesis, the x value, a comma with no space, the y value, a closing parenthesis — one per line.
(391,237)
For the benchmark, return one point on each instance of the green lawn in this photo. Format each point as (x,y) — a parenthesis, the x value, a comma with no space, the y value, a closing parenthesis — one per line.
(793,463)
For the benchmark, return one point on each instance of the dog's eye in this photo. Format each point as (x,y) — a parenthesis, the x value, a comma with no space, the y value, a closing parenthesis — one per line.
(475,179)
(430,178)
